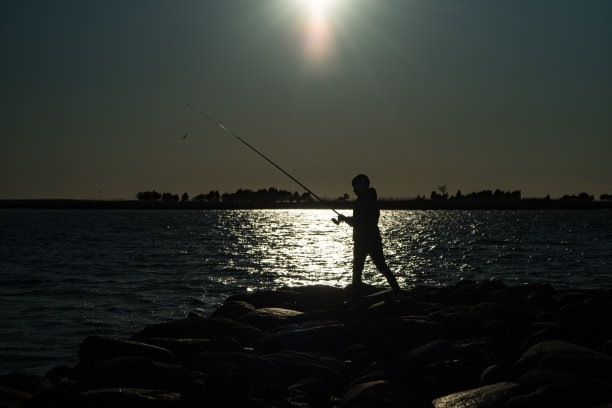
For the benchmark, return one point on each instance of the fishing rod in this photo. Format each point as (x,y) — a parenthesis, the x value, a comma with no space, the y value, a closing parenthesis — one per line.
(226,129)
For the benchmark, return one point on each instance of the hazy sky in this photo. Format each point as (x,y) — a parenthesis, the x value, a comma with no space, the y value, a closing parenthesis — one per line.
(415,93)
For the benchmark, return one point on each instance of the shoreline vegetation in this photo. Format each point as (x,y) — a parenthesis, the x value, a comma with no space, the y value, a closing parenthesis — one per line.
(412,204)
(472,344)
(272,198)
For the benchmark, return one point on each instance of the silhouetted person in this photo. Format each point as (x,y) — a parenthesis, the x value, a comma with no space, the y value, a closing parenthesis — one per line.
(366,235)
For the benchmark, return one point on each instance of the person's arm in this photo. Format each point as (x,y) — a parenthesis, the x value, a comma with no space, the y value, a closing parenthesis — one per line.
(348,220)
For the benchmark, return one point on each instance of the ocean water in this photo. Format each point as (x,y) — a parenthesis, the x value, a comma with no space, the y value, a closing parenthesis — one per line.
(65,275)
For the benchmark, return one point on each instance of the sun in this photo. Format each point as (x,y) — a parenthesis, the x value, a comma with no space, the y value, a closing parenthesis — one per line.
(317,7)
(318,30)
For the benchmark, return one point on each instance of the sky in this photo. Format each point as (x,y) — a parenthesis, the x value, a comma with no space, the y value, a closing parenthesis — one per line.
(470,94)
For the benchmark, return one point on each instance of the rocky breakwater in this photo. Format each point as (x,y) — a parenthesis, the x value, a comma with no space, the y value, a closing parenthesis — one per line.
(468,345)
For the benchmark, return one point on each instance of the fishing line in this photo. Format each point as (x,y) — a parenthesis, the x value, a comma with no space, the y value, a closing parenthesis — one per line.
(226,129)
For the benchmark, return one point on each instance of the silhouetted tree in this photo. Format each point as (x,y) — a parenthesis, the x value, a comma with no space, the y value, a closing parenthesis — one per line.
(169,197)
(184,197)
(148,195)
(605,197)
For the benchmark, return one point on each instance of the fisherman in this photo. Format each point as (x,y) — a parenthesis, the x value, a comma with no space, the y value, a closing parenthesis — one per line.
(366,235)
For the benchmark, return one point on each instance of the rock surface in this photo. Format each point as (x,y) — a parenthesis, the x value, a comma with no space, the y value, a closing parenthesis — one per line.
(473,344)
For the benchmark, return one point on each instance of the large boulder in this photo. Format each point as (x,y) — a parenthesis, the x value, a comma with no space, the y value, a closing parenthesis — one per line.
(383,394)
(556,354)
(308,336)
(256,369)
(297,366)
(202,328)
(489,396)
(269,317)
(131,372)
(99,348)
(129,398)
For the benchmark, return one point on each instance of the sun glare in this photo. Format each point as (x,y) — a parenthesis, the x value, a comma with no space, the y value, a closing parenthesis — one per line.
(318,33)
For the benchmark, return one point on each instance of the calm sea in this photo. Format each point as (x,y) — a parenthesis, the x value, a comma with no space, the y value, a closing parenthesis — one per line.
(65,275)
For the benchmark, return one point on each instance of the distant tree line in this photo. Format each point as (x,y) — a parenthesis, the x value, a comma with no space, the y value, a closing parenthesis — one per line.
(480,195)
(271,195)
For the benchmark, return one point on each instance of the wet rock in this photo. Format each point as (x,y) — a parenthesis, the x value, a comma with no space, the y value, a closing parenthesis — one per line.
(233,309)
(129,398)
(269,317)
(99,348)
(489,396)
(383,394)
(268,298)
(202,328)
(257,370)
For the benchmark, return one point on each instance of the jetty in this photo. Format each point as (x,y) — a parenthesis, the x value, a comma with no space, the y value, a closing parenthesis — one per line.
(473,344)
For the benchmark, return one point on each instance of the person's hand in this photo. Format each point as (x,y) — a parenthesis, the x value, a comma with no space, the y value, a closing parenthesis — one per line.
(342,218)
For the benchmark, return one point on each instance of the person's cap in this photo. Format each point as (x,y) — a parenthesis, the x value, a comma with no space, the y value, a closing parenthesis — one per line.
(361,180)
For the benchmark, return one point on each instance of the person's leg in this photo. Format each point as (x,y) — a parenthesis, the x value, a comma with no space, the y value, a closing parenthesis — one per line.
(381,265)
(359,256)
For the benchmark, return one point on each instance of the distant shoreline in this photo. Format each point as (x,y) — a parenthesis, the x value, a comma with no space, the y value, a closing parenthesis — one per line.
(420,204)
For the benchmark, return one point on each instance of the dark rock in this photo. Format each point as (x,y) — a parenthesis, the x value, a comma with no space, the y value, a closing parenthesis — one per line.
(312,297)
(129,398)
(608,347)
(268,298)
(532,358)
(593,313)
(392,335)
(461,373)
(233,309)
(310,392)
(468,295)
(224,344)
(489,311)
(496,328)
(314,336)
(297,366)
(131,372)
(180,348)
(28,383)
(494,374)
(269,317)
(12,398)
(99,348)
(57,374)
(52,397)
(559,396)
(202,328)
(429,353)
(489,396)
(383,394)
(583,364)
(258,370)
